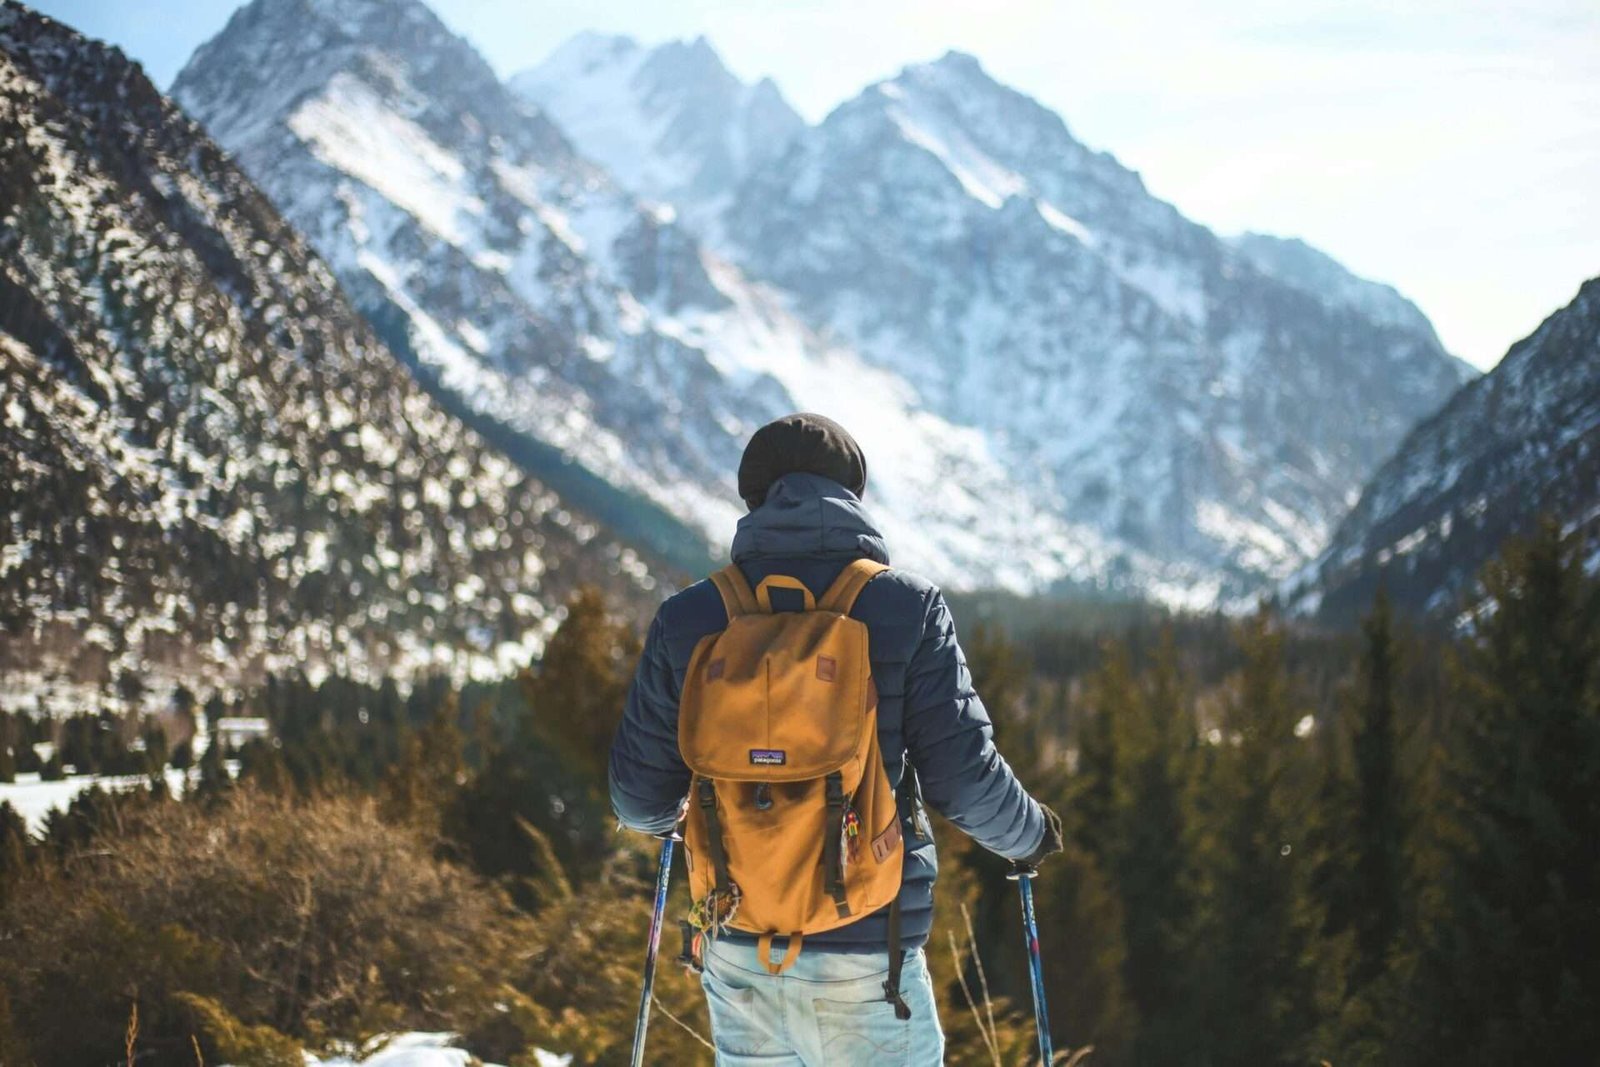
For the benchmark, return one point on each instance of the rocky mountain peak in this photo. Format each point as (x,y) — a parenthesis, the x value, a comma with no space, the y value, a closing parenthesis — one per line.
(671,122)
(1178,394)
(274,54)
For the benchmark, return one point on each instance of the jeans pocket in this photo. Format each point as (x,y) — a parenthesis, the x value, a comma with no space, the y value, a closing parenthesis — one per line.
(863,1032)
(737,1028)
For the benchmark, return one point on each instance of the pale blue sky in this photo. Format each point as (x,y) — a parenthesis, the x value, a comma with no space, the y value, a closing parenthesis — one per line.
(1449,147)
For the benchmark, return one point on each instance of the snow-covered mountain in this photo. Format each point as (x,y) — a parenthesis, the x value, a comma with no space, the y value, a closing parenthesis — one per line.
(671,123)
(1320,276)
(1212,405)
(212,467)
(1060,380)
(563,315)
(1519,443)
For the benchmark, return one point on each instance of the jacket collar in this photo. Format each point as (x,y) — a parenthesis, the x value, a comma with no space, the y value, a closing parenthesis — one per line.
(806,516)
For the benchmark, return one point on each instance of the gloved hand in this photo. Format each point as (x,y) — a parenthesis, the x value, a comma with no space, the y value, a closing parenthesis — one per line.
(1051,843)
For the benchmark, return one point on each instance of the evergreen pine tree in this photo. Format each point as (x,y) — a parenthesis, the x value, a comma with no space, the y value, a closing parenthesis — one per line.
(1509,971)
(1080,917)
(1261,978)
(1378,843)
(581,682)
(1154,862)
(423,783)
(1094,796)
(551,774)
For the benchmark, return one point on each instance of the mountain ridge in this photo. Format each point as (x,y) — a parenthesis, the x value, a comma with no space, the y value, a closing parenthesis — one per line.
(1520,443)
(1116,384)
(551,302)
(1179,397)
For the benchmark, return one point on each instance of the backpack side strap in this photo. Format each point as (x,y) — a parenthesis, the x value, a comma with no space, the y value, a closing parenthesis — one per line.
(841,595)
(736,595)
(905,798)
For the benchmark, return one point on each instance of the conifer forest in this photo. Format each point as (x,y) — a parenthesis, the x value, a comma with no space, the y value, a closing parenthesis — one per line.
(1286,846)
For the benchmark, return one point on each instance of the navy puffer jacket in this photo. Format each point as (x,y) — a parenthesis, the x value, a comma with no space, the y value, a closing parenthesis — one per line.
(810,528)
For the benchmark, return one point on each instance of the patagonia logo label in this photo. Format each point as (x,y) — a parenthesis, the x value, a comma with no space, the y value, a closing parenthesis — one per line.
(769,757)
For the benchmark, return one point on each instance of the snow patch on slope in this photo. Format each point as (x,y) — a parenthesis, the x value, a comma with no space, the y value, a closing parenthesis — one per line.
(351,129)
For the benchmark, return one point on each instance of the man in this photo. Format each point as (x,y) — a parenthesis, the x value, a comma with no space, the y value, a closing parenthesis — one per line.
(802,478)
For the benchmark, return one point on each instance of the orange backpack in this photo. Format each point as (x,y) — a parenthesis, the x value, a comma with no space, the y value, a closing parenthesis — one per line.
(792,826)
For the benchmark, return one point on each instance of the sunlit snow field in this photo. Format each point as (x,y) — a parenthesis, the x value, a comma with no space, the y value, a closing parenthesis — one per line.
(35,799)
(422,1050)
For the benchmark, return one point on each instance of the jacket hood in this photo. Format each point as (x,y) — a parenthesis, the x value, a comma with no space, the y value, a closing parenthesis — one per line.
(806,516)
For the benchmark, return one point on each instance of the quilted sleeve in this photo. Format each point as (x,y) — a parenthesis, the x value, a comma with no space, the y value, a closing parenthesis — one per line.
(951,743)
(648,777)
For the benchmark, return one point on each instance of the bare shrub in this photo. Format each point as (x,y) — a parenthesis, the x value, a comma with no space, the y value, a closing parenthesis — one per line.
(312,918)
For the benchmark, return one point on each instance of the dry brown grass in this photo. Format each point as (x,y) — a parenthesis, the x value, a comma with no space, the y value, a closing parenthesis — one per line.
(997,1043)
(314,919)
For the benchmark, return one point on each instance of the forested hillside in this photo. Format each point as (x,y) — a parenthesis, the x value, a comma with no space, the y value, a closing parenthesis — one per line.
(214,469)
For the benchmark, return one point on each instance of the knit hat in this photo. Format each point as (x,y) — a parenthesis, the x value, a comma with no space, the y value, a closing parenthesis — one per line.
(801,442)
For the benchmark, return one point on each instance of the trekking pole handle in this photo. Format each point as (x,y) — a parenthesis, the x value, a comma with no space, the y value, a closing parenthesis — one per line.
(1020,870)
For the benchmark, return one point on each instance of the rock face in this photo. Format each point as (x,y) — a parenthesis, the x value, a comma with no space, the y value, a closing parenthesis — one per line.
(594,336)
(1518,444)
(213,467)
(1212,405)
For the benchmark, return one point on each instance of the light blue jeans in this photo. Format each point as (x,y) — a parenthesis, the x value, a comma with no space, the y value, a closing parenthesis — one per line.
(827,1010)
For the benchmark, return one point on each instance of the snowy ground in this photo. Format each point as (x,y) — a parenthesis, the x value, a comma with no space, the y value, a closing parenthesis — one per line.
(35,799)
(422,1050)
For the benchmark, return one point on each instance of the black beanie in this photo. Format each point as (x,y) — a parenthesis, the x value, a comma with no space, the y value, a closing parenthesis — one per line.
(804,442)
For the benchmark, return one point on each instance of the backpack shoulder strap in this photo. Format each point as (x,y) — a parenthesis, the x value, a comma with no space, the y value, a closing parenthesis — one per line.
(736,594)
(841,595)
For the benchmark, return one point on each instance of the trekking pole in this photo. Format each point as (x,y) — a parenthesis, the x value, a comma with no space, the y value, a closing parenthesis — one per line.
(1023,874)
(663,876)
